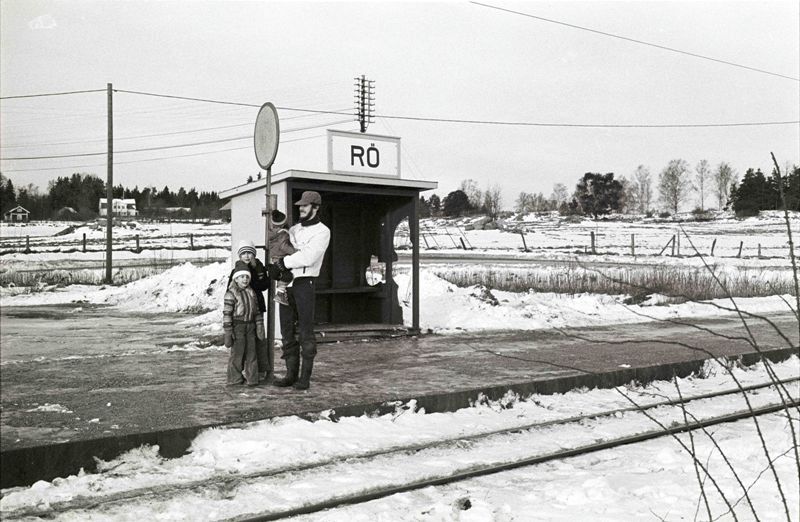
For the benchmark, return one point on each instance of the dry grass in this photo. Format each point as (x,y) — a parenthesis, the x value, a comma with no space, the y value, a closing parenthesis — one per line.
(39,278)
(679,282)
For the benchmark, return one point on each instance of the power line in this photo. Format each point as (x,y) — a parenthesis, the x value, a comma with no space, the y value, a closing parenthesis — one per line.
(591,125)
(247,137)
(663,47)
(208,100)
(508,123)
(157,159)
(248,124)
(56,156)
(49,94)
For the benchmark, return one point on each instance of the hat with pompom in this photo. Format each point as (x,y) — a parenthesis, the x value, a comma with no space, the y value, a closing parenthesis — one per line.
(240,269)
(246,246)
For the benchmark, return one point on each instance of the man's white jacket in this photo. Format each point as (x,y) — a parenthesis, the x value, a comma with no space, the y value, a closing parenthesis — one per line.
(311,243)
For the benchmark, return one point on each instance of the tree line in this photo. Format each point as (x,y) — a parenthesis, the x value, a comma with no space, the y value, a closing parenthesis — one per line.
(597,194)
(78,197)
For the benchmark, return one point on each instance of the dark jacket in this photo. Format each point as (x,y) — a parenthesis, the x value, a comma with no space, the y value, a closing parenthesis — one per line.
(259,281)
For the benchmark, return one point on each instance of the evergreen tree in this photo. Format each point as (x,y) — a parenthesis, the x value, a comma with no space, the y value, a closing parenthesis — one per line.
(755,193)
(455,204)
(8,196)
(436,205)
(599,194)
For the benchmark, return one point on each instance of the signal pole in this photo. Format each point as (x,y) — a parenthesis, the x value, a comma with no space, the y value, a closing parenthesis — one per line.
(109,183)
(364,99)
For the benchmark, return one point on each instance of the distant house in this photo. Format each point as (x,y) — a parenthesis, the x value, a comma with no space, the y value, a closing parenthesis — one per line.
(17,214)
(225,210)
(177,210)
(119,207)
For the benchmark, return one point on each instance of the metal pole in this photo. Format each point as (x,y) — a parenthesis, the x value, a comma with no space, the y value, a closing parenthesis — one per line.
(109,182)
(271,290)
(413,229)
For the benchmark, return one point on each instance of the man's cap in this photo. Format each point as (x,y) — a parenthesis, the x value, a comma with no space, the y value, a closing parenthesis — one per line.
(246,246)
(239,269)
(310,197)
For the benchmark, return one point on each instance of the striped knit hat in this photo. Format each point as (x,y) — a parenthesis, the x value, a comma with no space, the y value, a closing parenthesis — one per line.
(246,246)
(239,269)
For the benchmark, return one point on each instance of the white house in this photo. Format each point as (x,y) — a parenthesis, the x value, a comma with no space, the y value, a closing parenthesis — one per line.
(119,207)
(17,214)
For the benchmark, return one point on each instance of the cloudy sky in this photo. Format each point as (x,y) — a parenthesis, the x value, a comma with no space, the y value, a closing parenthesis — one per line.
(557,88)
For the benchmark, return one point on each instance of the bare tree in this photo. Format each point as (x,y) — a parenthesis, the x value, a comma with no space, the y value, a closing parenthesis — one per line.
(492,200)
(702,173)
(644,188)
(723,177)
(524,203)
(470,188)
(629,193)
(560,194)
(674,184)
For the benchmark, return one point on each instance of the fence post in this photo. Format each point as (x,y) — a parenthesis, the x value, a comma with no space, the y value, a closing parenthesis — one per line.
(137,244)
(524,245)
(84,241)
(191,241)
(713,244)
(670,242)
(426,241)
(673,245)
(633,246)
(741,243)
(592,236)
(679,244)
(462,243)
(759,250)
(27,244)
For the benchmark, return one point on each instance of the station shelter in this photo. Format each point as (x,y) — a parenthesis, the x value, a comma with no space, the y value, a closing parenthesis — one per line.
(363,213)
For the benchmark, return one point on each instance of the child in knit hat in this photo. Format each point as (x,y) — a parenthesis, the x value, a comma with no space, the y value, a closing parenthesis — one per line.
(242,324)
(279,247)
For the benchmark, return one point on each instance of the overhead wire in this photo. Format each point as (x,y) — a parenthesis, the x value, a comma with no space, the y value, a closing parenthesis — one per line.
(158,159)
(641,42)
(498,122)
(183,155)
(50,94)
(142,136)
(145,149)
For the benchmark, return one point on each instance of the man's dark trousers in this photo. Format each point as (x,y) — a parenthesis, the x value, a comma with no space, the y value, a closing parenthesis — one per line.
(297,321)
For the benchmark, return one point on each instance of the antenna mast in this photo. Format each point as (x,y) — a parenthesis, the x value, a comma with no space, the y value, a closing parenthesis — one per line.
(365,101)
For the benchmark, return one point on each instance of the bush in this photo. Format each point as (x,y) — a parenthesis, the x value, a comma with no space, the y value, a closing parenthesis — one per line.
(664,215)
(701,215)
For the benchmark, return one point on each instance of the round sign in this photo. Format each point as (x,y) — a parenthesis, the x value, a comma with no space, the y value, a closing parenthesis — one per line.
(267,135)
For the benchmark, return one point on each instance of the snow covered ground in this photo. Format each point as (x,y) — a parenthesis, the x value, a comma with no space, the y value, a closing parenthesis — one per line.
(647,481)
(654,480)
(445,308)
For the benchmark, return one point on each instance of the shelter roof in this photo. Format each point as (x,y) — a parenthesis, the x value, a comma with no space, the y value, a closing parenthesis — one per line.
(260,184)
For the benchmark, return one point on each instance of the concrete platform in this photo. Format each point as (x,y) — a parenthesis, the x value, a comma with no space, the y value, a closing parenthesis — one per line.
(113,401)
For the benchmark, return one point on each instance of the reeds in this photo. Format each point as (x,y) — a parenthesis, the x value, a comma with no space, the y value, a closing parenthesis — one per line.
(42,279)
(680,282)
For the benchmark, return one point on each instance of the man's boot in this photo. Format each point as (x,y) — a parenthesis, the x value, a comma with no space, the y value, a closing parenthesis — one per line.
(292,369)
(305,375)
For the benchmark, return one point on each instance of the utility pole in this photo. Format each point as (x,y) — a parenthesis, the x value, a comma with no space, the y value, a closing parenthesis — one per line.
(109,182)
(364,99)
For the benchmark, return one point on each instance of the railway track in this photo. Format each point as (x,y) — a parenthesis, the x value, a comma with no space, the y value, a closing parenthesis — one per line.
(471,450)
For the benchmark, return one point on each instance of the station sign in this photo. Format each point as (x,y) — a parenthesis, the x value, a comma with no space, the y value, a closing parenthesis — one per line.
(363,154)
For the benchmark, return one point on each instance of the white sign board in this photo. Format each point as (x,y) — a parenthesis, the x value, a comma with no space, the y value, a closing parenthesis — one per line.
(363,154)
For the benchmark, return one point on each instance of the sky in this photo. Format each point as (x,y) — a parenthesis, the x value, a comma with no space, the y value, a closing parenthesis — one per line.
(434,60)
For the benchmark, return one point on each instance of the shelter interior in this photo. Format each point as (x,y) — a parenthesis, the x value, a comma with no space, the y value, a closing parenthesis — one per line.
(363,219)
